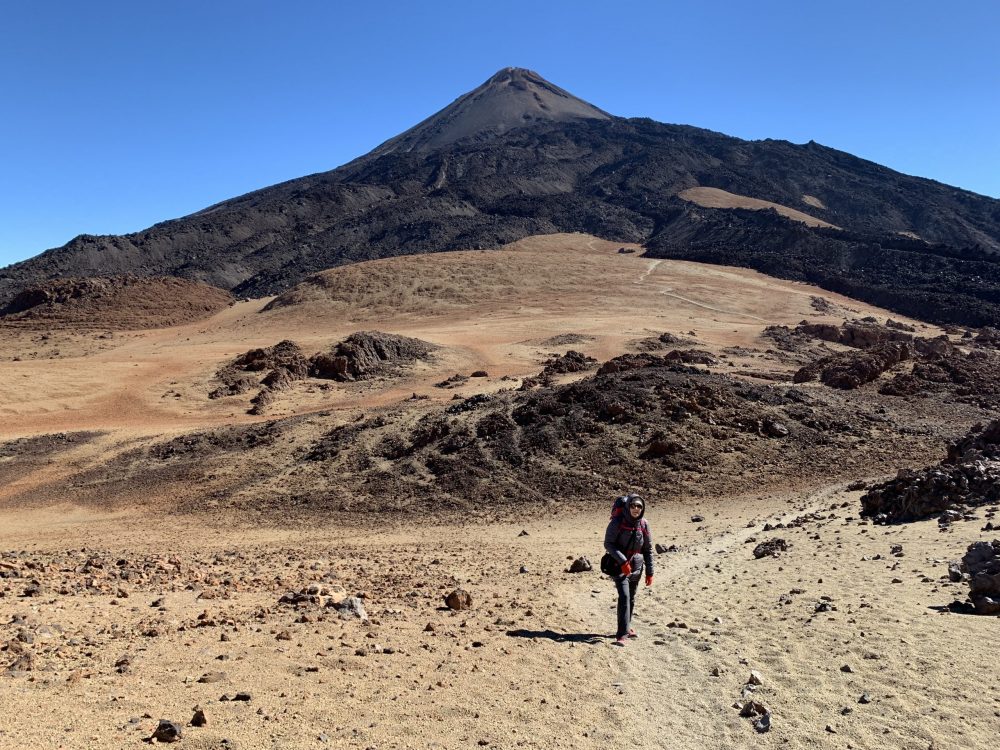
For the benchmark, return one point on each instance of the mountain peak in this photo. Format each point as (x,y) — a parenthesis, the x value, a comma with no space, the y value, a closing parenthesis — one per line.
(510,98)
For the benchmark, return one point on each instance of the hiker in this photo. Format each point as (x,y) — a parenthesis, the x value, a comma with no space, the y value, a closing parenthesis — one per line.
(629,542)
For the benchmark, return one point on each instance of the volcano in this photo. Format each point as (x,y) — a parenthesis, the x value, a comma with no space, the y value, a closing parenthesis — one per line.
(513,98)
(519,156)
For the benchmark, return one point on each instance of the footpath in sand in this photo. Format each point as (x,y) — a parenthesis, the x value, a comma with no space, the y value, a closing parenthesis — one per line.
(841,632)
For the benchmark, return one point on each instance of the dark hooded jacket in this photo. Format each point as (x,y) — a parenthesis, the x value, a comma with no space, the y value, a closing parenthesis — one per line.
(628,539)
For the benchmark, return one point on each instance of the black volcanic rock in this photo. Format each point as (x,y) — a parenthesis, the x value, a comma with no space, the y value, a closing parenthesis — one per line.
(519,156)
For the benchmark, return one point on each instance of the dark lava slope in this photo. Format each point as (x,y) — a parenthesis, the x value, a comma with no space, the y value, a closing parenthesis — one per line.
(519,156)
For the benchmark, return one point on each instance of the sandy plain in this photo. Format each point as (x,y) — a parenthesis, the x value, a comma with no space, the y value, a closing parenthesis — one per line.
(530,664)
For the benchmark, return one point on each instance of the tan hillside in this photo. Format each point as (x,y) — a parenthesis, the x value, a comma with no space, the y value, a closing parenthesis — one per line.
(716,198)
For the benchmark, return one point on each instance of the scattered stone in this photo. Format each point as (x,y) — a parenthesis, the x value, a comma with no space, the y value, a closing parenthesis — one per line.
(167,731)
(580,565)
(459,600)
(351,608)
(770,548)
(23,663)
(198,720)
(32,589)
(773,428)
(847,668)
(755,679)
(865,698)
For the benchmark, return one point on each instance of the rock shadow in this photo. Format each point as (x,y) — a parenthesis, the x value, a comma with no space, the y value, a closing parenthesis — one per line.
(552,635)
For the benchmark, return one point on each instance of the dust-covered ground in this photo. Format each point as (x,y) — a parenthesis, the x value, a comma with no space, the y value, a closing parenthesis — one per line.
(258,505)
(138,619)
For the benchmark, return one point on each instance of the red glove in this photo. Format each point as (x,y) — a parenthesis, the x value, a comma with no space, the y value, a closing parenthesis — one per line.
(626,568)
(649,580)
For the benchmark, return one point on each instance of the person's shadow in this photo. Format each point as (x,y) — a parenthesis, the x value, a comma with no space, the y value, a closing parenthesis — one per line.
(552,635)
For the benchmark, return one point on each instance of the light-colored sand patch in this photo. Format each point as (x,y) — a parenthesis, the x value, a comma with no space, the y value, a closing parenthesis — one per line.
(479,306)
(812,200)
(715,198)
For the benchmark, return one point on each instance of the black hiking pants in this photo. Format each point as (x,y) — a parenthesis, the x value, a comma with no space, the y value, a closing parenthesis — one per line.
(627,587)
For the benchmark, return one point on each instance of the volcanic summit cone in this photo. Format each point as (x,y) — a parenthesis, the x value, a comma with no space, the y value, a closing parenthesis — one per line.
(512,98)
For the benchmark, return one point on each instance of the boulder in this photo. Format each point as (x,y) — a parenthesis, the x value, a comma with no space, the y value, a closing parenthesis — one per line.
(167,731)
(351,608)
(981,564)
(459,600)
(770,548)
(580,565)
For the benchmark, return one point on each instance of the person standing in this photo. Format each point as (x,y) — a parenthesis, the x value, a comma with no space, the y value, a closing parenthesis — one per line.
(630,542)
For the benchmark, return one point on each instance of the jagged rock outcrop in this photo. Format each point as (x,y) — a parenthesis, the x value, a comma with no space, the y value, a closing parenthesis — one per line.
(369,354)
(849,370)
(968,476)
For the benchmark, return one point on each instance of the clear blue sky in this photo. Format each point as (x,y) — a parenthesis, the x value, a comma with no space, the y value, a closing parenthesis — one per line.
(116,115)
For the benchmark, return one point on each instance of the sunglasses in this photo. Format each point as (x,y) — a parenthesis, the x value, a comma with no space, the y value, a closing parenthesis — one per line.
(635,505)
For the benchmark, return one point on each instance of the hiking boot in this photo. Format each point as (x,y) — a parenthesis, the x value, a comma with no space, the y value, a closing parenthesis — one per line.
(632,633)
(621,641)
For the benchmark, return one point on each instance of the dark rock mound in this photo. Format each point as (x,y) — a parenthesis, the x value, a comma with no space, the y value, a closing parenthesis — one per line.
(980,443)
(665,340)
(691,356)
(644,359)
(988,337)
(859,334)
(285,354)
(969,476)
(571,361)
(117,302)
(369,354)
(362,355)
(969,378)
(284,362)
(850,370)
